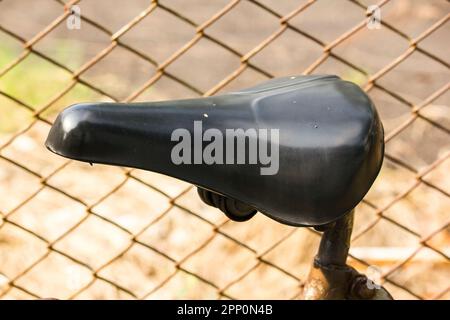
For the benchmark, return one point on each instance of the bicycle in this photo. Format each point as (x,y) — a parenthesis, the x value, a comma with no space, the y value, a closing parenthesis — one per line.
(327,134)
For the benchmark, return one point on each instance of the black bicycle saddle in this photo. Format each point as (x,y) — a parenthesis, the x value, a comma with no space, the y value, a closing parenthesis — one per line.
(319,145)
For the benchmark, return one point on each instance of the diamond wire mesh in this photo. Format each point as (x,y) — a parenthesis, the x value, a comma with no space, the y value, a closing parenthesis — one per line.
(70,231)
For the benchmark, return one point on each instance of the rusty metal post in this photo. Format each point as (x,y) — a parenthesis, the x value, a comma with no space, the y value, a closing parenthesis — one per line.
(330,277)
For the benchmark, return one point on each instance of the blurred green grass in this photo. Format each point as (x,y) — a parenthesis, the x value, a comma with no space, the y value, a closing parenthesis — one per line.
(34,82)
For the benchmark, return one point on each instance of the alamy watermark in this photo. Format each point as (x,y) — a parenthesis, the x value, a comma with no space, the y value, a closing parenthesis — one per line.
(373,274)
(374,21)
(73,22)
(228,148)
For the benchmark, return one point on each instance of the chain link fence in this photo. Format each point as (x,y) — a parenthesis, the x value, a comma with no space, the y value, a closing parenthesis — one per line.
(69,230)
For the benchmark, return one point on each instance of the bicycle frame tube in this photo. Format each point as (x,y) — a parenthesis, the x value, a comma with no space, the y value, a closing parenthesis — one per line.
(330,277)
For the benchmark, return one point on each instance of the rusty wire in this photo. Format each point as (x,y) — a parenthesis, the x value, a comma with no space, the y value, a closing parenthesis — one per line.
(245,63)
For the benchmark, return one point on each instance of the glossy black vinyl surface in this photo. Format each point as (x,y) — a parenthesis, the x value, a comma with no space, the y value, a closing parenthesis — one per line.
(330,143)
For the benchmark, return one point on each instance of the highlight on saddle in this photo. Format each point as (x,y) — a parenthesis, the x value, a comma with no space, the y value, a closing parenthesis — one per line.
(302,150)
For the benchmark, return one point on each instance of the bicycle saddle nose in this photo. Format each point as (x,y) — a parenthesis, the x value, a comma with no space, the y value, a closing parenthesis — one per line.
(301,150)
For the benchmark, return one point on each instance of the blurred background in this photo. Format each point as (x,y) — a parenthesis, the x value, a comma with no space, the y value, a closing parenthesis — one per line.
(69,230)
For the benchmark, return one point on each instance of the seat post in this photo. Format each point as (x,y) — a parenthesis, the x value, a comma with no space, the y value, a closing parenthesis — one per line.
(335,242)
(330,277)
